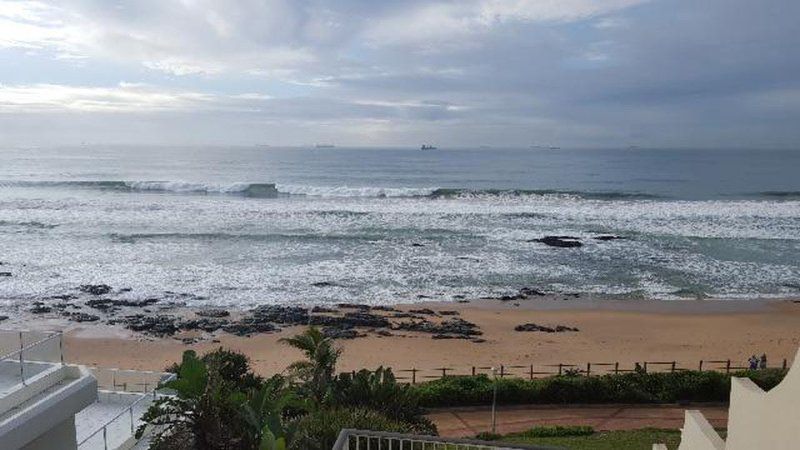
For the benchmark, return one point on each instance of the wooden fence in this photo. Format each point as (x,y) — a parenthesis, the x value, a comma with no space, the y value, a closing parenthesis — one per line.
(532,371)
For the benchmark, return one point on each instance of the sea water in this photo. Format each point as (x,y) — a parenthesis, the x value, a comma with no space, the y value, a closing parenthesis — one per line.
(242,226)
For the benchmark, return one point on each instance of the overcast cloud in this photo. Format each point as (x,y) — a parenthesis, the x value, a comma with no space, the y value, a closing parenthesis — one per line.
(588,73)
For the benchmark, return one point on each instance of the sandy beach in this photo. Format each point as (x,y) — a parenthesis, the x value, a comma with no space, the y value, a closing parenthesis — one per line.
(609,331)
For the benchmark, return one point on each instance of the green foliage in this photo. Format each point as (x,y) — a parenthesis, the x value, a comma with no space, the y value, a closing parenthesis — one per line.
(378,390)
(219,405)
(488,436)
(683,386)
(603,440)
(319,429)
(317,371)
(559,431)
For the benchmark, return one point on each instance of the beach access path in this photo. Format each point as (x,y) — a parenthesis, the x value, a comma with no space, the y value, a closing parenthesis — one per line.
(469,421)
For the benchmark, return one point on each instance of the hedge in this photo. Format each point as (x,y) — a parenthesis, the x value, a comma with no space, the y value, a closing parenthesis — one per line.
(683,386)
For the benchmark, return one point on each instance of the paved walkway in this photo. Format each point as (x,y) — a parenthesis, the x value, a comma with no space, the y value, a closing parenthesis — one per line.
(463,422)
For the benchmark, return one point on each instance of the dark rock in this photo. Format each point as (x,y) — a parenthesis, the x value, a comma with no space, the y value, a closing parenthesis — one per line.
(559,241)
(340,333)
(207,324)
(248,326)
(424,311)
(134,303)
(326,284)
(125,290)
(288,315)
(423,296)
(542,328)
(353,306)
(608,237)
(102,304)
(478,340)
(40,308)
(64,297)
(530,292)
(384,333)
(322,310)
(2,318)
(213,313)
(449,313)
(82,317)
(95,289)
(5,274)
(384,308)
(157,325)
(455,326)
(351,319)
(417,244)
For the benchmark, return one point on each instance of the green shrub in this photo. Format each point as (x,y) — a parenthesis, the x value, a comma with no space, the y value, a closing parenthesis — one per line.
(488,436)
(320,429)
(379,390)
(683,386)
(558,431)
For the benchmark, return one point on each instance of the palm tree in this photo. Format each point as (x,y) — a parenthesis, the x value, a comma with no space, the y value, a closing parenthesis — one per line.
(317,371)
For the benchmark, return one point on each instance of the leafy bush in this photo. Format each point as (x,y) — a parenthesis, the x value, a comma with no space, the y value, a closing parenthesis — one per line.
(488,436)
(559,431)
(683,386)
(379,390)
(320,429)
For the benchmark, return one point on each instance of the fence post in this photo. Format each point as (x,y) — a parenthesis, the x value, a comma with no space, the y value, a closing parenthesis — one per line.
(588,369)
(560,366)
(502,371)
(784,363)
(105,438)
(728,366)
(531,374)
(701,366)
(444,372)
(616,368)
(645,367)
(473,371)
(672,369)
(21,362)
(414,375)
(130,409)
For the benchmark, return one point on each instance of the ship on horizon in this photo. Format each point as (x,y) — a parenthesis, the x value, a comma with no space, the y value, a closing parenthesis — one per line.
(427,147)
(325,146)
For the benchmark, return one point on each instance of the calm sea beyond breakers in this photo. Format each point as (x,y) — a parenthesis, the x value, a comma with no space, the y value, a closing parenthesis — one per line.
(245,226)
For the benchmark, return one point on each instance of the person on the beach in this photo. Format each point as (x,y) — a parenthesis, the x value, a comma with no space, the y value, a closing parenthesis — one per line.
(753,362)
(763,364)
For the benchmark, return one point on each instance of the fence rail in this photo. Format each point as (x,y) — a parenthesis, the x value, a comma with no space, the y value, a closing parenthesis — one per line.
(27,354)
(122,427)
(377,440)
(531,371)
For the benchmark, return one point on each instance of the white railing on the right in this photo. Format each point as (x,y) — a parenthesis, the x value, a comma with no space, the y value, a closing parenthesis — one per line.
(378,440)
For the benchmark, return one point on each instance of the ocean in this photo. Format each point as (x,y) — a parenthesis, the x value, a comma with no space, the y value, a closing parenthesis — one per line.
(244,226)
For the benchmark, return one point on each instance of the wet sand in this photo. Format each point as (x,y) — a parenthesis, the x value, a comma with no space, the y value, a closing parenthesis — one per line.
(610,331)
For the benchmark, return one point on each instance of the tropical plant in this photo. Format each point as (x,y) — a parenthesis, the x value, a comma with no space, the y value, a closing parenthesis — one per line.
(218,404)
(320,429)
(378,390)
(317,371)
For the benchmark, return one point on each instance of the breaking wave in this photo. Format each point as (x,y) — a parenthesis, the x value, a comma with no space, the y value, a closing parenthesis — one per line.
(271,190)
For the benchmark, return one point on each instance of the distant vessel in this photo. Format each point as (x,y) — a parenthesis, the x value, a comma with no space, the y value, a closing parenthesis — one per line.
(325,146)
(427,147)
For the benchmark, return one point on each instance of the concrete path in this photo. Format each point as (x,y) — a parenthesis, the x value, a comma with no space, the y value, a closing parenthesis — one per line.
(464,422)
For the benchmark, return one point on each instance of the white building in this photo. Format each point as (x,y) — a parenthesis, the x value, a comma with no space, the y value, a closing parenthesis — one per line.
(756,419)
(47,404)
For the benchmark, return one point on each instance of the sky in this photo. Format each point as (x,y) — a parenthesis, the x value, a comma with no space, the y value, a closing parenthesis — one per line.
(572,73)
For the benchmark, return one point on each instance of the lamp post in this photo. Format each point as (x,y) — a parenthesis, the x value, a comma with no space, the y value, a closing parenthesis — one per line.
(494,401)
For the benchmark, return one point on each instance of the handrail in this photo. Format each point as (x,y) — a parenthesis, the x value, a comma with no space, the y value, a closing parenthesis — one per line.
(29,346)
(343,441)
(128,409)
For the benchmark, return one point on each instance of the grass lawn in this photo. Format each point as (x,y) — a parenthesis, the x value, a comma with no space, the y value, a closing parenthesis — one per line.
(603,440)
